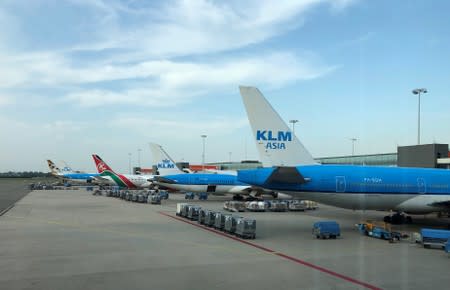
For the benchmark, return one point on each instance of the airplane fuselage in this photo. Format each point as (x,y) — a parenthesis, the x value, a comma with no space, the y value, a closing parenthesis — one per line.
(210,183)
(412,190)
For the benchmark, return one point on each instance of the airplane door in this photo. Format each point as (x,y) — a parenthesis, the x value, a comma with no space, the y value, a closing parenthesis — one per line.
(211,188)
(421,185)
(340,184)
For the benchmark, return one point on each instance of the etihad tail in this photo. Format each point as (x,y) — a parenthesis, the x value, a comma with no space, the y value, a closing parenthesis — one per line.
(101,165)
(276,143)
(53,168)
(164,164)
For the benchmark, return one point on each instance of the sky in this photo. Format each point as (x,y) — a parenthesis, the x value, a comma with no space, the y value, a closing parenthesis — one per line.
(80,77)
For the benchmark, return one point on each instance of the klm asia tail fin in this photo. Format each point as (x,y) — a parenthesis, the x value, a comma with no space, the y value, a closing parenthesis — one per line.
(101,165)
(164,164)
(277,146)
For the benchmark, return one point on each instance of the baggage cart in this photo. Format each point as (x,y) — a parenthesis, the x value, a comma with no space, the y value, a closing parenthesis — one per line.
(230,224)
(201,216)
(245,228)
(180,208)
(193,212)
(210,218)
(296,205)
(219,221)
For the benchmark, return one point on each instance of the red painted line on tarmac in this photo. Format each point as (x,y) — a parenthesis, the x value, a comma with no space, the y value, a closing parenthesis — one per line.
(332,273)
(290,258)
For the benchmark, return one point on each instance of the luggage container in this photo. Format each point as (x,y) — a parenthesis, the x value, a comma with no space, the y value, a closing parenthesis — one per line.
(180,207)
(210,218)
(296,205)
(230,224)
(202,196)
(245,228)
(155,199)
(278,206)
(256,206)
(134,197)
(141,198)
(326,230)
(189,195)
(185,210)
(234,206)
(193,212)
(434,237)
(219,221)
(164,194)
(201,216)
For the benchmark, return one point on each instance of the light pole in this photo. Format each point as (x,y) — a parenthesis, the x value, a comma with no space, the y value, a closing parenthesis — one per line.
(129,162)
(203,154)
(139,157)
(418,92)
(229,155)
(293,126)
(353,145)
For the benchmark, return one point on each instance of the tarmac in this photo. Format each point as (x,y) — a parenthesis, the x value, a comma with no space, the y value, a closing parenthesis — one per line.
(70,239)
(12,190)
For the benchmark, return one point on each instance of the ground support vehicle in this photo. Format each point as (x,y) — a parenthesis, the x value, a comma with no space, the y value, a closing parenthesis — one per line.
(193,212)
(434,237)
(219,221)
(278,206)
(154,199)
(201,216)
(310,205)
(256,206)
(230,224)
(164,194)
(245,228)
(326,230)
(210,218)
(378,231)
(189,195)
(234,206)
(180,207)
(202,196)
(447,247)
(296,205)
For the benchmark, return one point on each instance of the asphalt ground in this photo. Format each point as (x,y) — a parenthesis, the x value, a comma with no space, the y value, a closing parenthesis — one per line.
(70,239)
(12,190)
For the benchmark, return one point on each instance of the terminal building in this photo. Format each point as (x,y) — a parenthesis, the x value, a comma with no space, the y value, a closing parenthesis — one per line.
(425,156)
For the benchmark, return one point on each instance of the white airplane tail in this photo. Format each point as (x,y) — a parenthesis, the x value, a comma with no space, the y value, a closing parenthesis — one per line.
(277,145)
(53,168)
(164,164)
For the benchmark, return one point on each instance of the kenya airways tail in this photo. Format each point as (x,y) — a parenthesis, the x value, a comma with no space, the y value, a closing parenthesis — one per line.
(277,145)
(106,171)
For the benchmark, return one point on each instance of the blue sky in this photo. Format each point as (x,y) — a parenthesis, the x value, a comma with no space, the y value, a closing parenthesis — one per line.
(90,76)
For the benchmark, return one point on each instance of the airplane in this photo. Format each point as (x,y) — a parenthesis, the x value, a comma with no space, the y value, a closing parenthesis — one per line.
(132,181)
(213,182)
(401,190)
(67,174)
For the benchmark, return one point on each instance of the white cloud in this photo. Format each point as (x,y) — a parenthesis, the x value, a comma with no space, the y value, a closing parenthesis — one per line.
(170,83)
(175,129)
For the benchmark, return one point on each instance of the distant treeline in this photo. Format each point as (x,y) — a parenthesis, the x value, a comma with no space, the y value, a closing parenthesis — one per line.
(24,174)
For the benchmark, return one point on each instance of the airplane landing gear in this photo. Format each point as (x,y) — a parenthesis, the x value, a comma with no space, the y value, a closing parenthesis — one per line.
(398,218)
(238,197)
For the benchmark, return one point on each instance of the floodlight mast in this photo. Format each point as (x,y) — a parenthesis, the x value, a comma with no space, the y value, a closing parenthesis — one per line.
(418,92)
